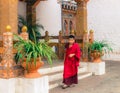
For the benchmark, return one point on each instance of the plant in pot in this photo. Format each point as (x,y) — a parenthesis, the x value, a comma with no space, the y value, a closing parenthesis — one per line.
(97,50)
(29,53)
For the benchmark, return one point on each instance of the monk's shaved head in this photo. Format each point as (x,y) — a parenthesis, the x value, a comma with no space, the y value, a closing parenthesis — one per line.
(71,39)
(71,36)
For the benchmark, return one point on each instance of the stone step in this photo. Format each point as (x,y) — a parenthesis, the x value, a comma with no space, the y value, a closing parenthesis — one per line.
(48,70)
(55,74)
(57,83)
(58,75)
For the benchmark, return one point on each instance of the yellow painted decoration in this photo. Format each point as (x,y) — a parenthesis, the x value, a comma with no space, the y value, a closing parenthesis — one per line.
(91,31)
(85,31)
(24,29)
(8,28)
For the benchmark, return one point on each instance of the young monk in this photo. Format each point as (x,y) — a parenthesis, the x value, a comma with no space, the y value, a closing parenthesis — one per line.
(71,63)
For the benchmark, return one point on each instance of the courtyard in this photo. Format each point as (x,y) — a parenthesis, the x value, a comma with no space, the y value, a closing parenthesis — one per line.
(33,33)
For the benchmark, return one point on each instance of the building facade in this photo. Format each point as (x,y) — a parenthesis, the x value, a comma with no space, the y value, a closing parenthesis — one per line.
(103,17)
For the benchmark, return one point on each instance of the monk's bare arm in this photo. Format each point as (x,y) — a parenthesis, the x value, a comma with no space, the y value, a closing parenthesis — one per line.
(71,55)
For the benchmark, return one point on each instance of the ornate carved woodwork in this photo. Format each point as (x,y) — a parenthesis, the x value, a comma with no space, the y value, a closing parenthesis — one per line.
(68,17)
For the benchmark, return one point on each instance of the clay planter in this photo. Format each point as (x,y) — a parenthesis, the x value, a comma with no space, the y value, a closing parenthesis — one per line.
(81,0)
(32,68)
(96,55)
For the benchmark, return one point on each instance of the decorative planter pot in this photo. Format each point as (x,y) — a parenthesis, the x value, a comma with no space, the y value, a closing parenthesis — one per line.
(32,68)
(81,0)
(96,55)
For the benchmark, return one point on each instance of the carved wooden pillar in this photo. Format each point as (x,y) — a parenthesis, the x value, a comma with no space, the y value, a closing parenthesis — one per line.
(47,38)
(60,37)
(91,40)
(91,36)
(8,15)
(31,13)
(24,33)
(61,46)
(81,17)
(81,25)
(85,46)
(31,10)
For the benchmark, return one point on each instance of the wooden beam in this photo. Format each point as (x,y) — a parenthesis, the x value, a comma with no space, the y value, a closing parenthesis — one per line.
(37,2)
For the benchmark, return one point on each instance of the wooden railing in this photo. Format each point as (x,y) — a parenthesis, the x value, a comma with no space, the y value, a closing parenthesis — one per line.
(62,40)
(58,42)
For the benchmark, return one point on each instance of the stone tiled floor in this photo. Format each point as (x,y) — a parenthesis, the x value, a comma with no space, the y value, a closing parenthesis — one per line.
(108,83)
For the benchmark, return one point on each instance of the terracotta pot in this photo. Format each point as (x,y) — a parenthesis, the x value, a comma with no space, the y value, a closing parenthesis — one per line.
(96,55)
(81,0)
(32,69)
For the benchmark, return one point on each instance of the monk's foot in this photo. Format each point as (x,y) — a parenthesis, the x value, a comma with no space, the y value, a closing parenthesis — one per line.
(65,86)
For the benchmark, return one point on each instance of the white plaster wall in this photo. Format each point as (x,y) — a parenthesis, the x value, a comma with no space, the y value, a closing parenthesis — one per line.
(49,15)
(104,18)
(22,9)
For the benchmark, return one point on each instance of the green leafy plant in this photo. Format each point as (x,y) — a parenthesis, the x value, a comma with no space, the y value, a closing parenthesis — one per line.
(32,50)
(36,27)
(100,46)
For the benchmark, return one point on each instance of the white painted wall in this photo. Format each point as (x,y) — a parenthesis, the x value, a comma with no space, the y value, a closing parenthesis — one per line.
(49,15)
(104,18)
(22,9)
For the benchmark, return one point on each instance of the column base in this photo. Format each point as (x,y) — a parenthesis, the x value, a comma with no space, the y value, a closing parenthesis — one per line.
(7,85)
(24,85)
(36,85)
(97,68)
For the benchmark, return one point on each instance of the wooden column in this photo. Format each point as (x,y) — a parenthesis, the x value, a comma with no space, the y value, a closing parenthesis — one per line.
(81,26)
(47,38)
(91,36)
(85,46)
(31,10)
(61,45)
(81,17)
(31,13)
(8,15)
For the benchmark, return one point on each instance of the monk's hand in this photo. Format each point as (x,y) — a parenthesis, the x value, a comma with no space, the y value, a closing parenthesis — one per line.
(71,55)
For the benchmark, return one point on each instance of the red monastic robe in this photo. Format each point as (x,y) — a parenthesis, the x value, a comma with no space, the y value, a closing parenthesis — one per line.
(71,65)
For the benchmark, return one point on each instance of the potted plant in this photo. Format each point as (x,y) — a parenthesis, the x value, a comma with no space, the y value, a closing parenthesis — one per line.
(29,53)
(97,50)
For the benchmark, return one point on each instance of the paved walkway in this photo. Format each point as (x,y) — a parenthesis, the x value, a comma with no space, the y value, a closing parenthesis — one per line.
(108,83)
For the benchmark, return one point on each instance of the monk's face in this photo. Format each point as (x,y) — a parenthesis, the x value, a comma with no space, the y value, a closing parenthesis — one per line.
(71,40)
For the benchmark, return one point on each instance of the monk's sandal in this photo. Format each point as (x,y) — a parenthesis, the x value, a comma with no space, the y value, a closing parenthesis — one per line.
(65,86)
